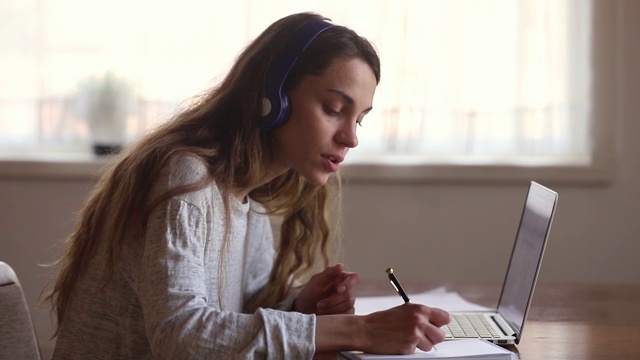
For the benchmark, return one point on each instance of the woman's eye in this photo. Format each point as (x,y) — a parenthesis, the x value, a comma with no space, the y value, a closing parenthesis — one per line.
(331,111)
(360,119)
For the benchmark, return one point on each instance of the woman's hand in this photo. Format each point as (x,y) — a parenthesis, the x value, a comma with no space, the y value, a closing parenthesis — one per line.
(398,330)
(328,292)
(401,329)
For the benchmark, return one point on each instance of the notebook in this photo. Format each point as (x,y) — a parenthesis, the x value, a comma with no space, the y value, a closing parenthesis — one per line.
(459,349)
(507,321)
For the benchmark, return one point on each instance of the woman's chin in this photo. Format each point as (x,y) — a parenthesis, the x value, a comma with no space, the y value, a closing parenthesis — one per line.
(317,179)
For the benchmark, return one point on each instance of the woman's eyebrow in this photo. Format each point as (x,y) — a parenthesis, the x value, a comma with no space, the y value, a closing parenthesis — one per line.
(347,98)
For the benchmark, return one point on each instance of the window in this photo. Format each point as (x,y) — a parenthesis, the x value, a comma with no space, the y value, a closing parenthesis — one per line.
(463,82)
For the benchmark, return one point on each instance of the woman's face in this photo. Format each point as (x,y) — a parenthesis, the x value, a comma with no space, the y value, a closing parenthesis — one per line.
(325,112)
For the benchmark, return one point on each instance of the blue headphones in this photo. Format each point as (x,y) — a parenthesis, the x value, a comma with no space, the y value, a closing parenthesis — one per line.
(275,104)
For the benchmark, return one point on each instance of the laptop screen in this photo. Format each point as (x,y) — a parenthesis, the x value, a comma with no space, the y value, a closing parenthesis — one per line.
(527,255)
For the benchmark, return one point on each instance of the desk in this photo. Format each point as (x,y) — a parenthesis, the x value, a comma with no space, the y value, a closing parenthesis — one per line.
(565,321)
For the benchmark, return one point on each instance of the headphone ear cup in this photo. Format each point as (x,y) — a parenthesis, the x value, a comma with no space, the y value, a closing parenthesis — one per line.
(274,111)
(265,108)
(283,110)
(274,107)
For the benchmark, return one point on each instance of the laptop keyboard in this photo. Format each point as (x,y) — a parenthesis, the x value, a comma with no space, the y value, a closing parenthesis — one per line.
(470,326)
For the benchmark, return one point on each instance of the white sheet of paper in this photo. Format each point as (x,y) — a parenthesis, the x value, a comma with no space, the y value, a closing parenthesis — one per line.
(438,298)
(468,348)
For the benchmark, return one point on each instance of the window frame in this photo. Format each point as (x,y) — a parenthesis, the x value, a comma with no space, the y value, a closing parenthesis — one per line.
(602,171)
(89,167)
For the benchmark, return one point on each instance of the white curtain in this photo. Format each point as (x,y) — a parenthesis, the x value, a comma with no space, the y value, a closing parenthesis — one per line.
(482,81)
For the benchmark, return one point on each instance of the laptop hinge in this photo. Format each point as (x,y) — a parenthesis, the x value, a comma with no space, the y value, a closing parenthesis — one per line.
(506,329)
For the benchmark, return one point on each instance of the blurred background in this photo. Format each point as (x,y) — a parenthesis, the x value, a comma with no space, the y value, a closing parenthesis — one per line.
(477,98)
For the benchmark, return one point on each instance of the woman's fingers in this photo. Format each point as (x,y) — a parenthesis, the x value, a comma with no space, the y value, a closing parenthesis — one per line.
(403,328)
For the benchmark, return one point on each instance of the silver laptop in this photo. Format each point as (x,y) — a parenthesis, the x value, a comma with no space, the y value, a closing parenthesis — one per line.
(505,324)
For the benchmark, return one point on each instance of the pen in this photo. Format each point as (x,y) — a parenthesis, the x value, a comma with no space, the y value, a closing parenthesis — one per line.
(396,285)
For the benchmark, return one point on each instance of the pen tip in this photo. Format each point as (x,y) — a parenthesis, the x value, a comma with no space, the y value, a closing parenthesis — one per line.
(390,271)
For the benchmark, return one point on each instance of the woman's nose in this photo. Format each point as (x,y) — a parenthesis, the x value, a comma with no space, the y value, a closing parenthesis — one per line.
(347,136)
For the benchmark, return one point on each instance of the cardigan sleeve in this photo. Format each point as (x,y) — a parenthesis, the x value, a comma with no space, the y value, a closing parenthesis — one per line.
(180,322)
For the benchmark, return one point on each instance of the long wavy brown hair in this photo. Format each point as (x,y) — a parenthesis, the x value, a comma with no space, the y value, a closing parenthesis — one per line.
(221,127)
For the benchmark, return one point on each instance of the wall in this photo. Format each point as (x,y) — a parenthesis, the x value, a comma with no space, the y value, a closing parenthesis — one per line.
(416,228)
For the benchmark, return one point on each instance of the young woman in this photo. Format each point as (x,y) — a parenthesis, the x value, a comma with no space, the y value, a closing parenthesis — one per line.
(173,255)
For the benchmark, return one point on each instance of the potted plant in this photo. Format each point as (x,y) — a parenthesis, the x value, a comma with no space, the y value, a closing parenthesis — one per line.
(105,103)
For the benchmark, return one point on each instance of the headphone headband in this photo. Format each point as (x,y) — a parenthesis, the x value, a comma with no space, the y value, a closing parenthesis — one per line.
(275,104)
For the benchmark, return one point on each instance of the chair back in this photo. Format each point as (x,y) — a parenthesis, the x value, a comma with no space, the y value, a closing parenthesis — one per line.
(17,336)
